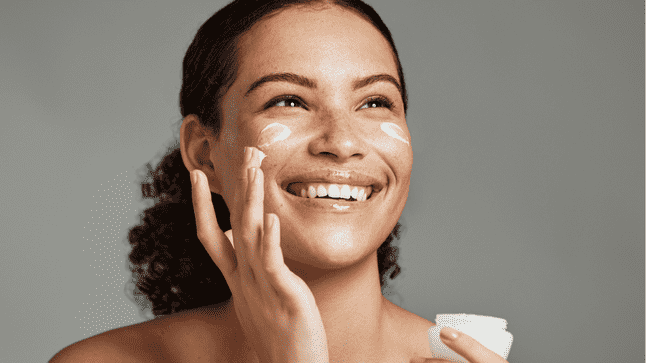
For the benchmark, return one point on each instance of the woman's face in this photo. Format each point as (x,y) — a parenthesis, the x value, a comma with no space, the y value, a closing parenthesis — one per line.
(336,127)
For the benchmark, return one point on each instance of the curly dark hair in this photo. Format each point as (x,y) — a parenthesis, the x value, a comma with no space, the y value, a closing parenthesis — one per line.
(171,270)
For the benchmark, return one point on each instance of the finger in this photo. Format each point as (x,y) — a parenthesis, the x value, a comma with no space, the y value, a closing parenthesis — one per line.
(252,216)
(266,276)
(240,191)
(283,281)
(250,229)
(273,263)
(208,231)
(251,160)
(468,347)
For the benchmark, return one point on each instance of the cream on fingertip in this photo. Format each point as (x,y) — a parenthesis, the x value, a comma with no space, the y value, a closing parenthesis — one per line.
(262,155)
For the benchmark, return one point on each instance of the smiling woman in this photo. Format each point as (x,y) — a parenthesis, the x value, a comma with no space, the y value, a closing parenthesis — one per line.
(281,259)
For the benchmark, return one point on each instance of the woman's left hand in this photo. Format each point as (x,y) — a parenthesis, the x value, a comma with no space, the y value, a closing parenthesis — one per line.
(465,346)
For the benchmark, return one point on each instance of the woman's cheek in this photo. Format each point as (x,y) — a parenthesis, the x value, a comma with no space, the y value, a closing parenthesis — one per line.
(396,132)
(270,136)
(396,138)
(391,139)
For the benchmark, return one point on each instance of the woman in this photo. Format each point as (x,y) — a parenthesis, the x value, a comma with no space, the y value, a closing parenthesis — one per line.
(317,86)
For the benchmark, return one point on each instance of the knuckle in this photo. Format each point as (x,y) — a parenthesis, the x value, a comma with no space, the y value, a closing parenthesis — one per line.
(200,235)
(271,270)
(249,197)
(242,175)
(251,275)
(271,273)
(204,234)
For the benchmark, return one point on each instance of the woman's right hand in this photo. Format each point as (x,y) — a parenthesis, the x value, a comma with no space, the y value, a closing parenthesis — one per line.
(275,307)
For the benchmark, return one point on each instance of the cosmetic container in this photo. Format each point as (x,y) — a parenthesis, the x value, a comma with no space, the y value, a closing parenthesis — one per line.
(487,330)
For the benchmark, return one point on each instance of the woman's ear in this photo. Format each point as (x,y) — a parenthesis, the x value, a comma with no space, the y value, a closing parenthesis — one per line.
(195,146)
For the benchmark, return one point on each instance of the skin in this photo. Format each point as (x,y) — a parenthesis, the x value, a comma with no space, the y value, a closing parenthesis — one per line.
(330,273)
(333,133)
(330,127)
(332,48)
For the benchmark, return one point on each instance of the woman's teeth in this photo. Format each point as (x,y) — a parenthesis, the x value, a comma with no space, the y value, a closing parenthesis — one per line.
(335,191)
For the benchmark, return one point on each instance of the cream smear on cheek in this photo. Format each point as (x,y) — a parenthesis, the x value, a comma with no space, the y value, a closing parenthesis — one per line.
(276,132)
(270,135)
(394,131)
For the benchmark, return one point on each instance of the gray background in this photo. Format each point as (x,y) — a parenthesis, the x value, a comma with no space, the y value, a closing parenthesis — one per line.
(527,195)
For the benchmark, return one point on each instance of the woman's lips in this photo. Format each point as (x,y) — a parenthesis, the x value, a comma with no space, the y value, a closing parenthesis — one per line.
(304,206)
(332,176)
(334,191)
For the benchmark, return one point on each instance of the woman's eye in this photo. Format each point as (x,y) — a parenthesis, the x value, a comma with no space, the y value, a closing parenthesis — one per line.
(377,102)
(286,102)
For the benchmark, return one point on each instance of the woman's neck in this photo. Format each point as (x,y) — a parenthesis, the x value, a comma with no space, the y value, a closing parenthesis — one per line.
(352,308)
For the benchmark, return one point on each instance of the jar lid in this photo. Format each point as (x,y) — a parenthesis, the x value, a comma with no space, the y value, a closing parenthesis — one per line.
(471,319)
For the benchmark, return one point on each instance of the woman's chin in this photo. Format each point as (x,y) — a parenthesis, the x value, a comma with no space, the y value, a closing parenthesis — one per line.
(329,248)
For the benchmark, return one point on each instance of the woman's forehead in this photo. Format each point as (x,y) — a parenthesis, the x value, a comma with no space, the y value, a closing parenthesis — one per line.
(330,44)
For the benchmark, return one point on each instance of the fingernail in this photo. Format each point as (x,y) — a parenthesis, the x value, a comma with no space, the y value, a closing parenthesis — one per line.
(448,333)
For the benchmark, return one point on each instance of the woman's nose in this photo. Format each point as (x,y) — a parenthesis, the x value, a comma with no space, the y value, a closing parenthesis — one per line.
(338,137)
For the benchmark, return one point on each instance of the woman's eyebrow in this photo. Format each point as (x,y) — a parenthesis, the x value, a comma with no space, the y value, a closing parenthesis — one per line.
(281,77)
(363,82)
(309,83)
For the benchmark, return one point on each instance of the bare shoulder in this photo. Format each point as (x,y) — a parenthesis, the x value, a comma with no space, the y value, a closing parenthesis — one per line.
(125,344)
(197,335)
(411,328)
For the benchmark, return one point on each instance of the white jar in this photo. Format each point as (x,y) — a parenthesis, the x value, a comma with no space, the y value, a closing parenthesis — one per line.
(488,330)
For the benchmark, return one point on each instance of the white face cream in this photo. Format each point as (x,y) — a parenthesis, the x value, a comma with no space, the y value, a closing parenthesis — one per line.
(487,330)
(273,133)
(270,135)
(276,132)
(394,131)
